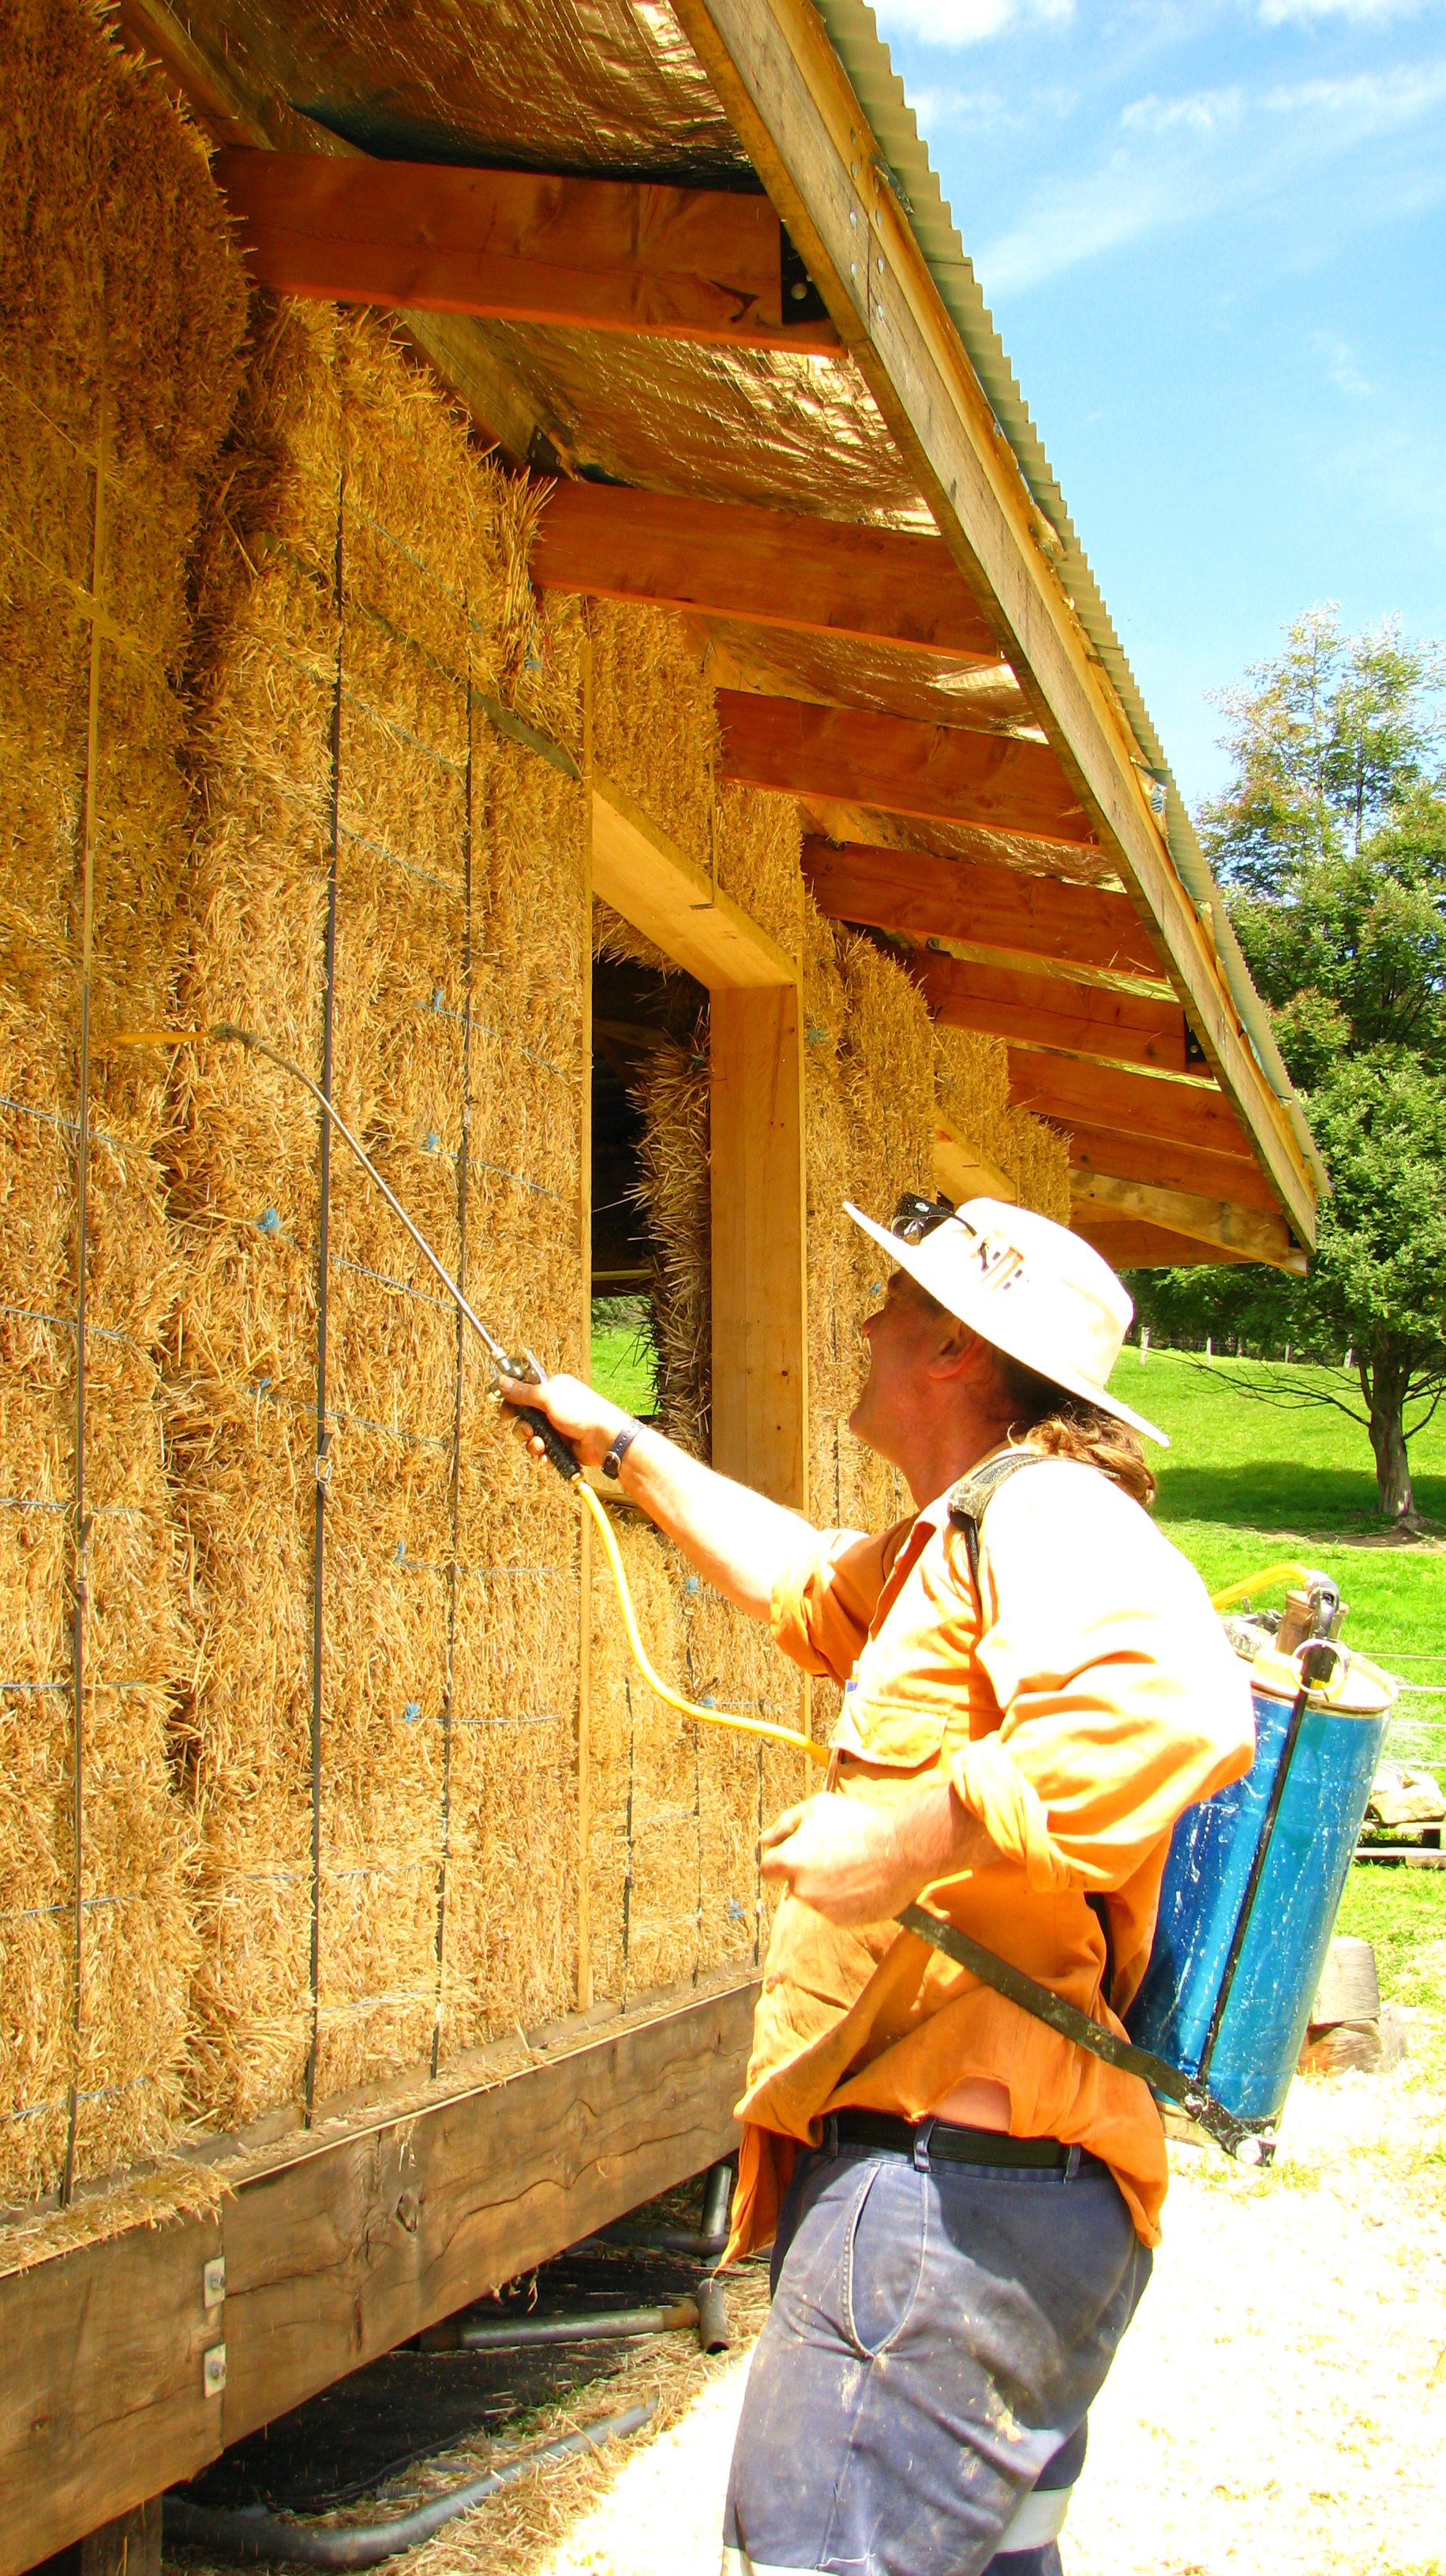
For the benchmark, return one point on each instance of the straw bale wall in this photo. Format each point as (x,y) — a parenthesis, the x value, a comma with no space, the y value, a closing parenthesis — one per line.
(971,1075)
(120,318)
(677,1807)
(656,733)
(329,1616)
(360,599)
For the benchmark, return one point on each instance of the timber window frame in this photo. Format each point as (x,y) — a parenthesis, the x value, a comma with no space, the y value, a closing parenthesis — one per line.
(756,1155)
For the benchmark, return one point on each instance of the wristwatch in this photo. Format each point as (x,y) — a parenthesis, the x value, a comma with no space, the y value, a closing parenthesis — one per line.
(622,1442)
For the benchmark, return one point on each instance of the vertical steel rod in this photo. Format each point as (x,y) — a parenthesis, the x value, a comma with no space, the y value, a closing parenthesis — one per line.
(80,1584)
(456,1495)
(323,1435)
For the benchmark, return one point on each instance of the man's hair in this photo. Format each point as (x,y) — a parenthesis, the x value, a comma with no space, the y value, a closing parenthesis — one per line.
(1067,1426)
(1058,1424)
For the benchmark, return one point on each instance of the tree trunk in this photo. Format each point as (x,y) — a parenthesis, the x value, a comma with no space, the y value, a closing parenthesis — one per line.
(1384,1379)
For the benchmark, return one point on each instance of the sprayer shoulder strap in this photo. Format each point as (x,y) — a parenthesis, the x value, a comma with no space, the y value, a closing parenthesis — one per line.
(968,1503)
(970,1499)
(1046,2006)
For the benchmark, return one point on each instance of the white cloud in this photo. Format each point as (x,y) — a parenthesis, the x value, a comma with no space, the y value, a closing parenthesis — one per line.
(1182,158)
(1204,112)
(966,22)
(1339,360)
(1304,13)
(1369,102)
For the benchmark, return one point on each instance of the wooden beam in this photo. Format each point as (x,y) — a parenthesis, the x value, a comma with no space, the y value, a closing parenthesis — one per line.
(1128,1245)
(1043,1010)
(350,2244)
(1250,1232)
(800,121)
(1137,1104)
(103,2402)
(756,1167)
(673,902)
(1235,1177)
(927,897)
(962,1172)
(775,568)
(898,767)
(508,245)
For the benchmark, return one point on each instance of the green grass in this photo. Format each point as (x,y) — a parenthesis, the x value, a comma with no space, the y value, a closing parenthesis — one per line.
(1402,1913)
(1244,1483)
(622,1367)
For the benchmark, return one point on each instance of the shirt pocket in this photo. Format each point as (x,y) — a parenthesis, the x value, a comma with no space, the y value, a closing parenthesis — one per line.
(896,1735)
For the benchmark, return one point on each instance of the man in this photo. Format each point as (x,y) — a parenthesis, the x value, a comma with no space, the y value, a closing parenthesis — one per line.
(961,2201)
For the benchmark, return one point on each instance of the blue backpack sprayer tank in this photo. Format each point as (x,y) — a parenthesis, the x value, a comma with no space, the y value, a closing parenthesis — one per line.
(1252,1885)
(1255,1874)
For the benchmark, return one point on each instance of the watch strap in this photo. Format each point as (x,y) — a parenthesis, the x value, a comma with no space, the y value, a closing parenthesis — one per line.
(622,1441)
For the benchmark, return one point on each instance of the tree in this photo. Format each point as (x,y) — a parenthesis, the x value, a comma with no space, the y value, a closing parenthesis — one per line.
(1331,845)
(1328,742)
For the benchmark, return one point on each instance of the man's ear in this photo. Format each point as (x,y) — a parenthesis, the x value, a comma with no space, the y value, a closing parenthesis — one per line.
(956,1353)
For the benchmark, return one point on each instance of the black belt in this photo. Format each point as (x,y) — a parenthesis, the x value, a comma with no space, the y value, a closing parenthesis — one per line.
(942,2141)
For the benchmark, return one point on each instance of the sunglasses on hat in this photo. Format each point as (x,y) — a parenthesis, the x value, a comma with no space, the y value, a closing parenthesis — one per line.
(915,1217)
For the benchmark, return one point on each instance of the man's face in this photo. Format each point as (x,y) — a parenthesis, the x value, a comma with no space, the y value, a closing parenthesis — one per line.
(903,1336)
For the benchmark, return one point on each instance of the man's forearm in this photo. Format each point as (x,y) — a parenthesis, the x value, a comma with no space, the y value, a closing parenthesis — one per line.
(738,1540)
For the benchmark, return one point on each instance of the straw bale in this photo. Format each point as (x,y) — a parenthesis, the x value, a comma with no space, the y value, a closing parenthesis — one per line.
(655,732)
(971,1075)
(760,846)
(448,1687)
(672,1189)
(116,280)
(643,1846)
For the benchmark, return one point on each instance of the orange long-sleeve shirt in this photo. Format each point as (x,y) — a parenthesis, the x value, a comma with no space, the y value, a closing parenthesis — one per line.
(1079,1703)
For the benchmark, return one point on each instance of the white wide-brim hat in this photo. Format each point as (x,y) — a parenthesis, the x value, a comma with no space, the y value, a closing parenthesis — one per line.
(1037,1292)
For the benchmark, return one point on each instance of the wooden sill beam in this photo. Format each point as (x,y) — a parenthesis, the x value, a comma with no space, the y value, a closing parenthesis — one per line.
(673,902)
(897,766)
(774,568)
(927,897)
(1094,1152)
(1249,1234)
(1100,1096)
(508,245)
(1127,1244)
(347,2245)
(793,106)
(1045,1011)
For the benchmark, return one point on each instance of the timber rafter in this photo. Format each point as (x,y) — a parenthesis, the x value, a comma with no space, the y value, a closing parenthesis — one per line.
(515,246)
(898,766)
(1107,1098)
(923,897)
(775,568)
(1046,1011)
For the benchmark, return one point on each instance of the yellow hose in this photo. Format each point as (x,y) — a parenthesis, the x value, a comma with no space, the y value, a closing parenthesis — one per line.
(223,1034)
(1268,1576)
(654,1680)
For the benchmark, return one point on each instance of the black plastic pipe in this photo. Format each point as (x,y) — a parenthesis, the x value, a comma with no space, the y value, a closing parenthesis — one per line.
(591,2325)
(710,2238)
(261,2535)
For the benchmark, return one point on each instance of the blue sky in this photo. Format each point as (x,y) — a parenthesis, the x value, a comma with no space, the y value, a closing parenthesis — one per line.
(1213,238)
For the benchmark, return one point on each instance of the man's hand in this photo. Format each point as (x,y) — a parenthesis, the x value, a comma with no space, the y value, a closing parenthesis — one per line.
(589,1421)
(855,1862)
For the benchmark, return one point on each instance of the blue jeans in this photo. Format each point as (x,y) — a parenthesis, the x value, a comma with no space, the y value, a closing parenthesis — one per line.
(936,2338)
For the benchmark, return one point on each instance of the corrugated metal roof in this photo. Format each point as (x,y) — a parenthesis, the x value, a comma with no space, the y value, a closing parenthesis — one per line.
(854,33)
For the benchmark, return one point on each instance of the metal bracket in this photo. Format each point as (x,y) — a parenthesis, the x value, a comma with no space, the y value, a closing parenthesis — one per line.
(213,2370)
(213,2281)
